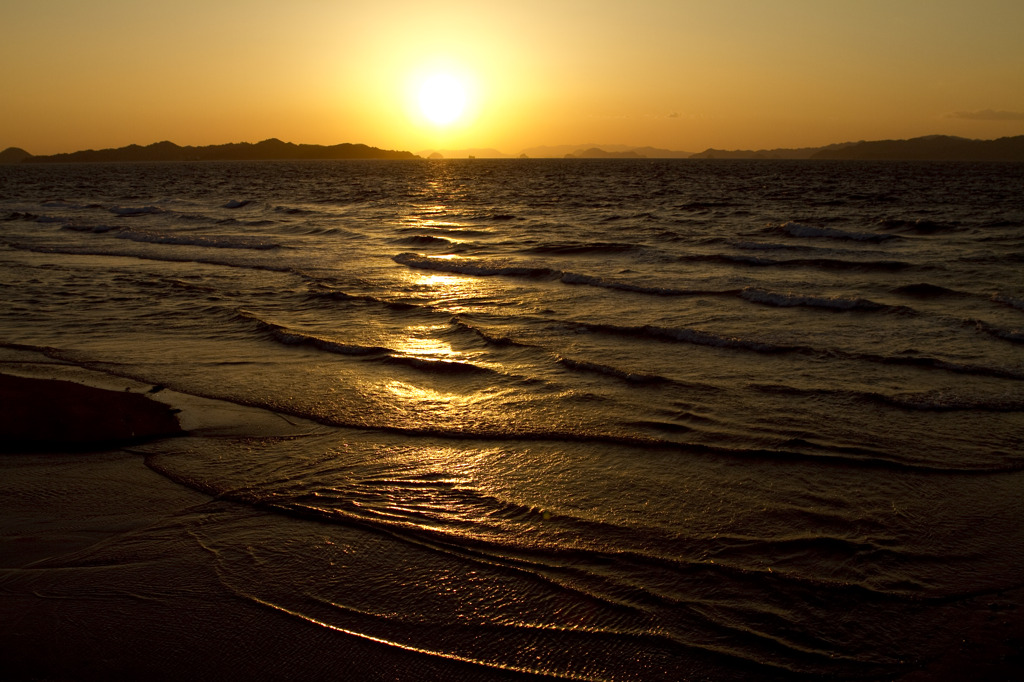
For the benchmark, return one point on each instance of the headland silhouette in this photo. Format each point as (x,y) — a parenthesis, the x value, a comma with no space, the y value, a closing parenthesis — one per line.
(926,148)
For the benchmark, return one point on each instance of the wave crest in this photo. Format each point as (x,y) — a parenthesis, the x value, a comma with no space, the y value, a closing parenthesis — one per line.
(210,241)
(794,229)
(836,303)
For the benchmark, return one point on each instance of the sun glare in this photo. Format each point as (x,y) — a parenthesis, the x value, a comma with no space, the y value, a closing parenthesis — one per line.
(442,99)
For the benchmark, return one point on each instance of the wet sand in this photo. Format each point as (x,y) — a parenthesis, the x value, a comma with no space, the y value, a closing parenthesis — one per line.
(102,576)
(101,573)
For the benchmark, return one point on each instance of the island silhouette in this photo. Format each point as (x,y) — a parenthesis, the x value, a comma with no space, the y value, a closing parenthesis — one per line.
(267,150)
(925,148)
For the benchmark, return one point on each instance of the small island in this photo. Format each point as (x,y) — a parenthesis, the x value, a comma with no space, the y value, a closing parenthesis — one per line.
(267,150)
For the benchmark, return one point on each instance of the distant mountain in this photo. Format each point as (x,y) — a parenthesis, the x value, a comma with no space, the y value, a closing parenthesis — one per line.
(13,155)
(781,153)
(628,153)
(272,149)
(928,148)
(655,153)
(582,151)
(559,151)
(931,148)
(596,153)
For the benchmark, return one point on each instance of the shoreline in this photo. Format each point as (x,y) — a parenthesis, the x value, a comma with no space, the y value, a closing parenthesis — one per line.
(102,569)
(75,500)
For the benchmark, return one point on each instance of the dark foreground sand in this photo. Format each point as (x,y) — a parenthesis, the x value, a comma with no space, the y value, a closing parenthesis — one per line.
(41,414)
(102,575)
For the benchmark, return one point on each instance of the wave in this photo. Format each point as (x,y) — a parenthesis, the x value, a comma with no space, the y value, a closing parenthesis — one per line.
(211,241)
(568,248)
(498,217)
(1013,336)
(290,337)
(320,291)
(485,268)
(705,205)
(692,336)
(612,578)
(193,217)
(670,427)
(60,203)
(764,246)
(449,229)
(128,211)
(465,266)
(869,459)
(922,401)
(951,402)
(458,322)
(1002,222)
(823,263)
(306,229)
(642,215)
(80,250)
(293,210)
(802,230)
(936,363)
(607,370)
(94,229)
(702,338)
(437,366)
(236,203)
(926,290)
(245,223)
(916,226)
(424,240)
(836,303)
(21,215)
(590,280)
(1011,301)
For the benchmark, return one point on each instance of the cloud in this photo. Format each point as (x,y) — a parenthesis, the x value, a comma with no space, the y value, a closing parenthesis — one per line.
(988,115)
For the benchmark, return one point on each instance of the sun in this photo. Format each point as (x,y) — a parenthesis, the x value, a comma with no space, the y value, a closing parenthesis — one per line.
(442,99)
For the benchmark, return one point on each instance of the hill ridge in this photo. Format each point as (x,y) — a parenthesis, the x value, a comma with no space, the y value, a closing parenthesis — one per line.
(266,150)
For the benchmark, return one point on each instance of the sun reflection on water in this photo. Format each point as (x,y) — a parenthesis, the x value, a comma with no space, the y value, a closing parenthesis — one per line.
(422,396)
(452,292)
(421,341)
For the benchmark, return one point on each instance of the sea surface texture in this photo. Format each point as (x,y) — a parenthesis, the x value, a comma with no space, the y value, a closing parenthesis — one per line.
(609,420)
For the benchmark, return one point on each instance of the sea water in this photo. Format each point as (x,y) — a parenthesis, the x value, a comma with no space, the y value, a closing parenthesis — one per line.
(623,419)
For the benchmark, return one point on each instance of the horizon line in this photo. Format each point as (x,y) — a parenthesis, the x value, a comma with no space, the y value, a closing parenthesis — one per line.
(612,150)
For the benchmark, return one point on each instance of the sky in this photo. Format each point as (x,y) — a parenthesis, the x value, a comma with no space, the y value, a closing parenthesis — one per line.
(675,74)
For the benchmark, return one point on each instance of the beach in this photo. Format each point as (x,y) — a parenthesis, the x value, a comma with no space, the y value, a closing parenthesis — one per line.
(585,419)
(101,579)
(99,576)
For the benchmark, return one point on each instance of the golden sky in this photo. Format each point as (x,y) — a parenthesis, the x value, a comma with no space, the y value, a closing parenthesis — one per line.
(676,74)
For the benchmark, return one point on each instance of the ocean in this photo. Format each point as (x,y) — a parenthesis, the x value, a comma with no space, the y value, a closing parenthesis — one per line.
(590,419)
